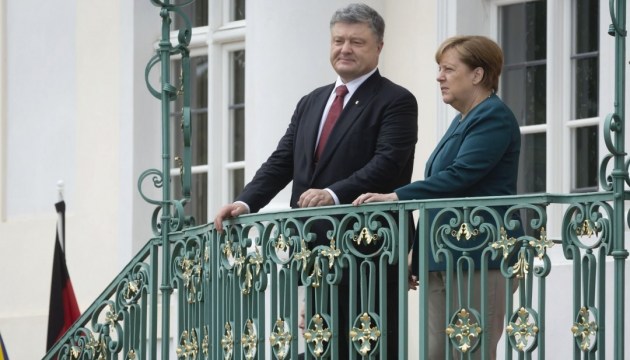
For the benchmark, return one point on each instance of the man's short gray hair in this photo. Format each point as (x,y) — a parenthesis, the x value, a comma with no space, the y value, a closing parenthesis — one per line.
(360,13)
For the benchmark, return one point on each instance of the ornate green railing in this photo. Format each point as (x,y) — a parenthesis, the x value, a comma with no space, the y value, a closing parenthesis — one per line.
(192,293)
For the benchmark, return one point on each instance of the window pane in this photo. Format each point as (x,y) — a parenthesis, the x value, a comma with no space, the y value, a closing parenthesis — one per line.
(237,107)
(238,10)
(532,164)
(536,95)
(586,163)
(237,180)
(524,31)
(197,13)
(199,110)
(198,206)
(586,88)
(587,26)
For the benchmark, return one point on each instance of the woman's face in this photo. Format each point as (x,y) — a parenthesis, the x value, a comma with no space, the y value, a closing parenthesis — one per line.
(457,80)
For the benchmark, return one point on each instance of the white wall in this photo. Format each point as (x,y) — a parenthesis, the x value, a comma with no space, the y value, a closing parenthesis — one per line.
(74,107)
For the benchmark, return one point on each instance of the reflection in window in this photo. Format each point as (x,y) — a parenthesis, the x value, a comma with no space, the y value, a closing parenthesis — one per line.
(237,10)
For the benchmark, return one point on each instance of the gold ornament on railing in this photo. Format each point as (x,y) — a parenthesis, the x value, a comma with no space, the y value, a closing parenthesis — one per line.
(464,232)
(586,229)
(189,346)
(504,243)
(239,261)
(132,289)
(190,269)
(303,255)
(205,344)
(463,331)
(131,355)
(317,335)
(583,329)
(111,317)
(316,275)
(365,236)
(522,329)
(331,253)
(227,342)
(281,244)
(541,245)
(227,249)
(521,268)
(365,334)
(280,339)
(249,340)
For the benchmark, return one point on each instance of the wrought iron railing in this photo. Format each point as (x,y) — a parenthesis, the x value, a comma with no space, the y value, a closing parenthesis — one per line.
(193,293)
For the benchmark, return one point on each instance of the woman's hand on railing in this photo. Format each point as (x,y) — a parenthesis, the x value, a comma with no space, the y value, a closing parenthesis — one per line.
(374,197)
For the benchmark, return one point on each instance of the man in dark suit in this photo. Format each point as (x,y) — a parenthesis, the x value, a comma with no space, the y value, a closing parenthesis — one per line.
(370,147)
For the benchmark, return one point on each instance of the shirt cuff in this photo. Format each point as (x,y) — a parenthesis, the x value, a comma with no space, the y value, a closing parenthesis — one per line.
(244,204)
(334,196)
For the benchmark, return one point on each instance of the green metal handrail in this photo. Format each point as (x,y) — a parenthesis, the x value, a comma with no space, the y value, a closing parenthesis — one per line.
(235,293)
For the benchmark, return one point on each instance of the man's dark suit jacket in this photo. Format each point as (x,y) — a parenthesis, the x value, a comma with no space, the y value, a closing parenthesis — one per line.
(370,149)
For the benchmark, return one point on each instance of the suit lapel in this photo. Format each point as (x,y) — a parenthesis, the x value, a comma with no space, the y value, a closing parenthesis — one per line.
(355,106)
(440,145)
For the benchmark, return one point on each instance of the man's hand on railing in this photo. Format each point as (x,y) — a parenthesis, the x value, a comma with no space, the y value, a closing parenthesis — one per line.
(315,197)
(229,211)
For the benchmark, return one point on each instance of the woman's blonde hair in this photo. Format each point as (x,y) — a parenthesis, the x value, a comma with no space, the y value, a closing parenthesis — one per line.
(476,51)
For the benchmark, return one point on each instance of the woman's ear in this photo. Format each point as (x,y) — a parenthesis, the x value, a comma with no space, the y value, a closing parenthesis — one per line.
(478,73)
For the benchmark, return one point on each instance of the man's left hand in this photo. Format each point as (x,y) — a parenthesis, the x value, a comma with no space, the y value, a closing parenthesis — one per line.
(315,197)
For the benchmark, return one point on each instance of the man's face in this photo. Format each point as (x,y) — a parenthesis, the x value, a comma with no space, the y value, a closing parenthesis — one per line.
(354,50)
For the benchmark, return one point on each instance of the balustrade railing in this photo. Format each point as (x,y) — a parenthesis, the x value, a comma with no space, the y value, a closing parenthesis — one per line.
(192,293)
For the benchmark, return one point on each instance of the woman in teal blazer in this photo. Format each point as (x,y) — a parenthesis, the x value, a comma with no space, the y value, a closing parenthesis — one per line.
(477,156)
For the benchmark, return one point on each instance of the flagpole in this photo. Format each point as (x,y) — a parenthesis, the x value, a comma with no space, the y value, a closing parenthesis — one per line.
(61,222)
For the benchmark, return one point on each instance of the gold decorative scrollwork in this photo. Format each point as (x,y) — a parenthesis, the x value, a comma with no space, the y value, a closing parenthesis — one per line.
(586,229)
(331,253)
(317,335)
(280,339)
(206,253)
(541,245)
(521,268)
(584,329)
(188,345)
(522,329)
(504,243)
(249,340)
(463,331)
(131,354)
(464,232)
(303,255)
(281,243)
(227,342)
(75,351)
(96,346)
(256,261)
(365,236)
(365,334)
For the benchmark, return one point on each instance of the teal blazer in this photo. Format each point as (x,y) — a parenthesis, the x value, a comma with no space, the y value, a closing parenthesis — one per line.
(477,156)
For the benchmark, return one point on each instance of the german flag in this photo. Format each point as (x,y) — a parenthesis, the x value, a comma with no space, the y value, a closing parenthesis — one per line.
(63,310)
(3,350)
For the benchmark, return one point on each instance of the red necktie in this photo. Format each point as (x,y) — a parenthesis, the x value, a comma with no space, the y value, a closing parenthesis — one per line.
(331,119)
